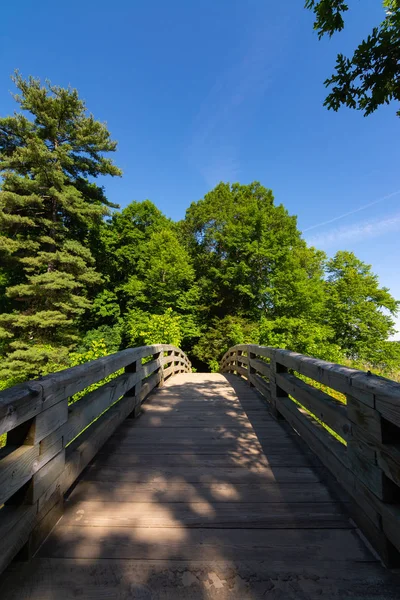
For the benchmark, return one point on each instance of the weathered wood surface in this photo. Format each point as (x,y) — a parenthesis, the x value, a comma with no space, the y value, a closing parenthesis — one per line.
(232,506)
(365,458)
(49,443)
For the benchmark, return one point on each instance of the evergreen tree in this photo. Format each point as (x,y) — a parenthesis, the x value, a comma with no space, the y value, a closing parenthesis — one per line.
(48,203)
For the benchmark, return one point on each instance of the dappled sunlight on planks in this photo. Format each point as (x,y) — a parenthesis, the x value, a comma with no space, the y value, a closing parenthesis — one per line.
(204,496)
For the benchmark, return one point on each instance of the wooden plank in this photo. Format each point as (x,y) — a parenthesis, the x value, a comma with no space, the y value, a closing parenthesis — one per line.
(190,474)
(15,526)
(86,446)
(201,448)
(88,408)
(180,421)
(260,366)
(363,443)
(20,403)
(195,580)
(168,372)
(175,543)
(365,417)
(263,351)
(45,476)
(47,421)
(193,459)
(340,378)
(261,385)
(152,366)
(149,384)
(170,491)
(49,451)
(370,474)
(224,515)
(327,409)
(241,370)
(263,432)
(375,536)
(16,469)
(26,400)
(388,458)
(208,434)
(44,524)
(368,502)
(388,403)
(331,452)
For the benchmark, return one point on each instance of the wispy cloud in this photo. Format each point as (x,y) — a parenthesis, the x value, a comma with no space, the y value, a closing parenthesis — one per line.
(353,212)
(230,104)
(356,232)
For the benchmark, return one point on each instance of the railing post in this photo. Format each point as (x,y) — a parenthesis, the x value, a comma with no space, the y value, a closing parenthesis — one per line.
(159,356)
(276,392)
(135,367)
(45,433)
(238,353)
(365,446)
(171,353)
(251,356)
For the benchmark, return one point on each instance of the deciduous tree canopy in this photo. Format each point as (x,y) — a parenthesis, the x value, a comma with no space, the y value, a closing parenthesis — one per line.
(371,76)
(80,278)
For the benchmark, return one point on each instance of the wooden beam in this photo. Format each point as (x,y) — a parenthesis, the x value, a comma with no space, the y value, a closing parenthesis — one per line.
(327,409)
(16,468)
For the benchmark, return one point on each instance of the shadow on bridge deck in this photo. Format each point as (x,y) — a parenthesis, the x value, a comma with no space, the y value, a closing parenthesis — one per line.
(205,496)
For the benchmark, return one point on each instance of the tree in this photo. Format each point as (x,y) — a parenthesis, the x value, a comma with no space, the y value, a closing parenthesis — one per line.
(48,203)
(301,335)
(220,335)
(164,274)
(147,329)
(358,310)
(249,257)
(120,244)
(370,78)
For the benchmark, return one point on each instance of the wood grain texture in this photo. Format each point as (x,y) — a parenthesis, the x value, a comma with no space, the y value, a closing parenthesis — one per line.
(327,409)
(205,476)
(16,468)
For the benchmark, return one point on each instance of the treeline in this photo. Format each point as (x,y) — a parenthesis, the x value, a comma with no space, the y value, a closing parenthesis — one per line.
(80,279)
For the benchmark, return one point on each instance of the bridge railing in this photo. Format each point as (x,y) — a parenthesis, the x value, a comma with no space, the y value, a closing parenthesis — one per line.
(52,434)
(349,418)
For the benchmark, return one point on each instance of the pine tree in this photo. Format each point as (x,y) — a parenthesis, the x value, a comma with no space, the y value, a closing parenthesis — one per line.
(48,203)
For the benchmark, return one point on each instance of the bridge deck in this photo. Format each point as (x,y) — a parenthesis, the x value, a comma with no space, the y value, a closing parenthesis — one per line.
(204,496)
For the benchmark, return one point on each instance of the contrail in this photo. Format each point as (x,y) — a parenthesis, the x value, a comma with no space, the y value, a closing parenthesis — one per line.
(352,212)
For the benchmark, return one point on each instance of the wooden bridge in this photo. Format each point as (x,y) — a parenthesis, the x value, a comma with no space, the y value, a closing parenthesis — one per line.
(277,478)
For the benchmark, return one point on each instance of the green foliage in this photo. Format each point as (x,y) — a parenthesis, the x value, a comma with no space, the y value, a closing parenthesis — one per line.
(240,242)
(221,335)
(145,329)
(110,336)
(48,202)
(164,274)
(78,282)
(370,78)
(359,311)
(300,335)
(29,361)
(97,349)
(105,308)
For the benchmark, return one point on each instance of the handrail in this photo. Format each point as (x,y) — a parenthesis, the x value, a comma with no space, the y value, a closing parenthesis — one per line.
(355,435)
(51,440)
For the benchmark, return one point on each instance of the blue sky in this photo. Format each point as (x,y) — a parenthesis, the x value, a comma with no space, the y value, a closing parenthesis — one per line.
(232,90)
